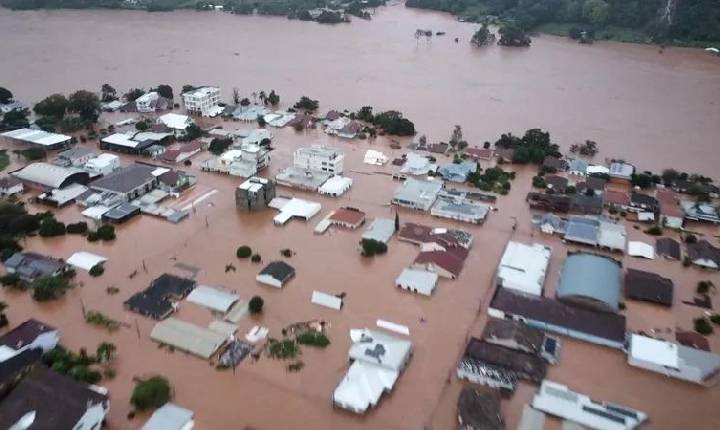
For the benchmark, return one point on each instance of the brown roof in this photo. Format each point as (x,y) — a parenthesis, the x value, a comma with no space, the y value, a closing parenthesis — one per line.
(557,183)
(702,249)
(438,148)
(553,162)
(443,259)
(333,115)
(592,182)
(668,248)
(530,367)
(669,205)
(605,325)
(414,232)
(25,333)
(648,286)
(480,153)
(171,155)
(692,339)
(348,216)
(505,153)
(170,178)
(612,197)
(480,410)
(501,331)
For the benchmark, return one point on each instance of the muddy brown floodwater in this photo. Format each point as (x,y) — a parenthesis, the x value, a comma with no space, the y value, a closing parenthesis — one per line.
(655,109)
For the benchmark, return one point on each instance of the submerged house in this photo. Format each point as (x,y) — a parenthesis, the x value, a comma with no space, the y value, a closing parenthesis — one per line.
(29,266)
(457,172)
(590,281)
(523,268)
(30,335)
(254,194)
(157,301)
(704,254)
(417,194)
(377,361)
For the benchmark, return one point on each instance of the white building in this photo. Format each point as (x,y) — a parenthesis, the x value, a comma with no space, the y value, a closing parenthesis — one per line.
(203,101)
(417,281)
(319,159)
(38,138)
(170,417)
(557,400)
(336,186)
(417,164)
(246,161)
(147,102)
(103,164)
(523,268)
(176,122)
(293,208)
(31,334)
(417,194)
(673,360)
(212,298)
(375,158)
(378,359)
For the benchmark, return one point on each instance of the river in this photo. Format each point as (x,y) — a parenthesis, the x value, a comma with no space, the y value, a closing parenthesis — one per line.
(655,109)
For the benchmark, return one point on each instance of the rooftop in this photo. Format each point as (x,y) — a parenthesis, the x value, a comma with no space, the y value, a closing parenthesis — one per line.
(480,410)
(25,334)
(37,137)
(349,216)
(527,366)
(590,280)
(523,267)
(126,179)
(50,175)
(384,350)
(641,285)
(510,332)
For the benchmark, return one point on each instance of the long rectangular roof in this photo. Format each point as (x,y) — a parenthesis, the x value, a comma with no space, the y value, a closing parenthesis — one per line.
(187,337)
(37,137)
(126,179)
(212,298)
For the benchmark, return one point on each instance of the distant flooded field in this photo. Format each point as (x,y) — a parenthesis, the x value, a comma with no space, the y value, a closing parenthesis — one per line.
(655,109)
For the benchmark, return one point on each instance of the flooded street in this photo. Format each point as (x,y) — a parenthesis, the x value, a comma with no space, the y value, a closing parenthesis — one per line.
(657,110)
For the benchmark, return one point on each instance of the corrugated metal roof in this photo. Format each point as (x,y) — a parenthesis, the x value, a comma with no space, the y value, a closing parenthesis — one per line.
(592,277)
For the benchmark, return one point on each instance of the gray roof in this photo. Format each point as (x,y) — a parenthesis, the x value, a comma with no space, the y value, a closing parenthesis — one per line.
(706,362)
(126,179)
(420,192)
(29,265)
(51,175)
(169,417)
(74,153)
(583,230)
(590,280)
(381,229)
(578,166)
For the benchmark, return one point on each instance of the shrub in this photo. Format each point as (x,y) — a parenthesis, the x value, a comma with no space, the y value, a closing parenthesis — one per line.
(655,230)
(715,318)
(50,227)
(704,287)
(283,349)
(690,238)
(49,288)
(10,280)
(77,228)
(372,247)
(255,306)
(150,393)
(703,326)
(101,320)
(97,270)
(686,261)
(243,252)
(313,338)
(287,253)
(296,366)
(256,258)
(106,232)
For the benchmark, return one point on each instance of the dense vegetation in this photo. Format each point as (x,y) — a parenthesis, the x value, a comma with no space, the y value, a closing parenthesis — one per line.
(150,393)
(532,148)
(637,20)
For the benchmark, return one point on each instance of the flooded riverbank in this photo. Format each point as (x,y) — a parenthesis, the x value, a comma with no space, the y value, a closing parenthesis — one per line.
(653,108)
(656,110)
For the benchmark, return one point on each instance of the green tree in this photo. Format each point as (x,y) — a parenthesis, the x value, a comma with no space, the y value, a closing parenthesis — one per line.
(394,123)
(142,126)
(150,393)
(134,94)
(482,36)
(49,288)
(106,232)
(243,252)
(513,35)
(596,12)
(306,103)
(54,105)
(372,247)
(107,93)
(165,90)
(255,306)
(273,99)
(16,118)
(50,227)
(6,96)
(86,104)
(219,145)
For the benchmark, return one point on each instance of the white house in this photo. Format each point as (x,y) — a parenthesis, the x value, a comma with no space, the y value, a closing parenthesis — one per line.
(203,101)
(375,158)
(377,361)
(176,122)
(674,360)
(31,334)
(147,102)
(523,267)
(103,164)
(319,158)
(417,281)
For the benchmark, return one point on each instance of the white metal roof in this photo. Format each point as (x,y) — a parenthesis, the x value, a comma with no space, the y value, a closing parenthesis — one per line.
(375,157)
(420,280)
(85,260)
(327,300)
(212,298)
(397,328)
(121,139)
(175,121)
(336,185)
(523,267)
(382,349)
(187,337)
(38,137)
(170,417)
(654,351)
(46,174)
(641,249)
(296,208)
(362,386)
(95,212)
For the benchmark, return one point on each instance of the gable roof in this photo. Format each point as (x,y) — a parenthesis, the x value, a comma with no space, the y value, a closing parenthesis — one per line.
(648,286)
(668,248)
(530,367)
(279,270)
(25,333)
(443,259)
(703,250)
(57,400)
(502,331)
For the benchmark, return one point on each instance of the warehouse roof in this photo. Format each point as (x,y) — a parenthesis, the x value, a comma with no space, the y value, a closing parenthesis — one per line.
(523,267)
(50,175)
(590,280)
(187,337)
(213,298)
(37,137)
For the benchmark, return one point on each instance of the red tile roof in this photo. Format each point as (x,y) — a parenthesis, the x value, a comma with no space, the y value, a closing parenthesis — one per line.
(348,216)
(668,203)
(480,153)
(612,197)
(443,259)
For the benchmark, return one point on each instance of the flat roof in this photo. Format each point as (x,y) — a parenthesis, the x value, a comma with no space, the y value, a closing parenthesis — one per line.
(523,267)
(654,351)
(187,337)
(37,137)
